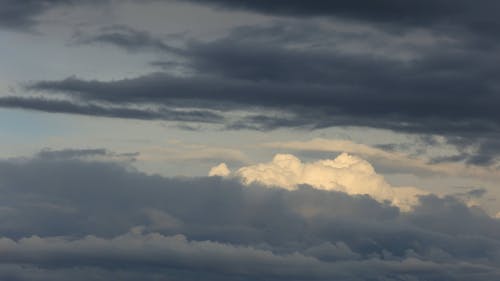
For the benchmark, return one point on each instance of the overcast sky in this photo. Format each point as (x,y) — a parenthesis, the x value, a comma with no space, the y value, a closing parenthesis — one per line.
(249,140)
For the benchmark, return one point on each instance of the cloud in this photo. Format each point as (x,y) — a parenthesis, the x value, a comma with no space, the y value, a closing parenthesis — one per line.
(23,15)
(425,68)
(345,173)
(391,14)
(19,14)
(220,170)
(86,154)
(85,220)
(394,161)
(100,110)
(125,37)
(153,250)
(286,77)
(157,252)
(71,153)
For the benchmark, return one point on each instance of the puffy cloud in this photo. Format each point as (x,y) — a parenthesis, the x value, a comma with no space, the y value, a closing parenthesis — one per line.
(220,170)
(346,173)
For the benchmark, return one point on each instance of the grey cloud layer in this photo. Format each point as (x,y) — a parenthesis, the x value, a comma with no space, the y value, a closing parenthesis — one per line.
(130,39)
(447,86)
(427,67)
(101,220)
(477,15)
(19,14)
(295,74)
(124,111)
(22,15)
(451,90)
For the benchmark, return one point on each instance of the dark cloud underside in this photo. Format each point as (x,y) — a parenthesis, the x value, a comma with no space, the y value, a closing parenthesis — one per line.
(102,220)
(441,90)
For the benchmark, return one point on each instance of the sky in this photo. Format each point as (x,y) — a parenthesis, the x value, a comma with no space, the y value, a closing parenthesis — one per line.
(249,140)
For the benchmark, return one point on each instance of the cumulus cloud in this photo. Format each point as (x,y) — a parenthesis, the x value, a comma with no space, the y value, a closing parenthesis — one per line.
(346,173)
(220,170)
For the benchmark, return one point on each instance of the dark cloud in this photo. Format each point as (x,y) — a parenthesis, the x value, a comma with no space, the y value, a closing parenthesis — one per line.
(294,74)
(66,219)
(71,153)
(82,154)
(125,37)
(471,195)
(103,110)
(393,14)
(22,15)
(479,149)
(452,88)
(439,93)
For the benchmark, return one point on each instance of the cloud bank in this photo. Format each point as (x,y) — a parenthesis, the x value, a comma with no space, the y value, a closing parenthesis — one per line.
(62,218)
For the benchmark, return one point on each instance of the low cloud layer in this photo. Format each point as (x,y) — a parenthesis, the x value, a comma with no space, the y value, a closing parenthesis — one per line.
(63,218)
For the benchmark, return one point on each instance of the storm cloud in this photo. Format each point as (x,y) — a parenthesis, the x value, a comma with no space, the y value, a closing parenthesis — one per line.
(63,218)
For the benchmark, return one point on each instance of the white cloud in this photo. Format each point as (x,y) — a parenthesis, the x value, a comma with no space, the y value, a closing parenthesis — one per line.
(220,170)
(345,173)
